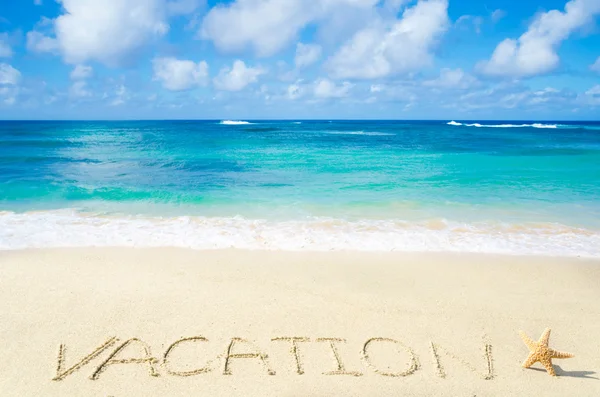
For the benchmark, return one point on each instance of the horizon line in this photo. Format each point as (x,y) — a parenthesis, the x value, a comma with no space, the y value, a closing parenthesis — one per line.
(306,119)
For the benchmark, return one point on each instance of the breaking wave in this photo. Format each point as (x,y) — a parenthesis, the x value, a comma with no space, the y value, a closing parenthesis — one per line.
(234,122)
(478,125)
(70,228)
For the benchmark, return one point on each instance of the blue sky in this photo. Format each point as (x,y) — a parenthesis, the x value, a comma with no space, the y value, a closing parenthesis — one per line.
(250,59)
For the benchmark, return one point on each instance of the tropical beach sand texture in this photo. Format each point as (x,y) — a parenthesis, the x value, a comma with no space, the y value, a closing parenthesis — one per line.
(470,305)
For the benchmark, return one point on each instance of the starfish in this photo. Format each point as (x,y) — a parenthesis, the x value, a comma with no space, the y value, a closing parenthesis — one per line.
(539,351)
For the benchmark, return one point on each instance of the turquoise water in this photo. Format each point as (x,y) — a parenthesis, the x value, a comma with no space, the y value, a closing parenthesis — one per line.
(511,187)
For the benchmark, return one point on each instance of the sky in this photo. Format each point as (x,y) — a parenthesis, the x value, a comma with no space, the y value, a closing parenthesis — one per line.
(300,59)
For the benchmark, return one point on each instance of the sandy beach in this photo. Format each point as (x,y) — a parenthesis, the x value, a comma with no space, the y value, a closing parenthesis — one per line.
(175,322)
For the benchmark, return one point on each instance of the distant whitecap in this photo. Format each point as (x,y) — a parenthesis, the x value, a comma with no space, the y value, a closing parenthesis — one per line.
(534,125)
(234,122)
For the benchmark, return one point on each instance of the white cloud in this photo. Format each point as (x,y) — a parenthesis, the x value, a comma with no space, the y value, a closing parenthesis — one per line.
(9,75)
(384,49)
(452,78)
(37,2)
(79,90)
(121,96)
(596,66)
(107,31)
(81,72)
(498,15)
(267,26)
(295,91)
(8,94)
(376,88)
(591,97)
(307,54)
(475,21)
(535,51)
(5,49)
(38,42)
(178,74)
(325,88)
(594,91)
(237,77)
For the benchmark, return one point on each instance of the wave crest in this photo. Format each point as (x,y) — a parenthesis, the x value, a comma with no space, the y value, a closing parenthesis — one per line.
(478,125)
(234,122)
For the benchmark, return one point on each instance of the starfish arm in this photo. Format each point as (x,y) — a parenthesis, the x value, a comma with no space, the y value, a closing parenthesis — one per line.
(549,367)
(557,354)
(545,338)
(528,341)
(532,359)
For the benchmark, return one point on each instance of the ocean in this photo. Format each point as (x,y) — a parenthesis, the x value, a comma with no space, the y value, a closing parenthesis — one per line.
(451,186)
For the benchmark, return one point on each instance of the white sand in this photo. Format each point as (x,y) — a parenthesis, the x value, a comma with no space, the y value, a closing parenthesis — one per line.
(83,297)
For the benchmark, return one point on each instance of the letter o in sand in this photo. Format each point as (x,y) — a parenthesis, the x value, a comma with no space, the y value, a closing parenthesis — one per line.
(413,364)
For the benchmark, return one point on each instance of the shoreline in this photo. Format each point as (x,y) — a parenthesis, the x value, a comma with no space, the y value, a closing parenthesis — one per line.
(70,229)
(363,324)
(217,251)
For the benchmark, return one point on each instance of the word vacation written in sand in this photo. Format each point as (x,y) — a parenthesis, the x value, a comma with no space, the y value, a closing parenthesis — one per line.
(185,357)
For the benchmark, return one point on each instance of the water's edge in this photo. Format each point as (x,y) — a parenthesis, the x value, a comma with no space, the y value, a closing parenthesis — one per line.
(69,228)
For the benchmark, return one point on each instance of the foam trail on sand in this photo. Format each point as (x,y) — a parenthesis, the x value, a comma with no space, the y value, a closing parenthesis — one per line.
(69,228)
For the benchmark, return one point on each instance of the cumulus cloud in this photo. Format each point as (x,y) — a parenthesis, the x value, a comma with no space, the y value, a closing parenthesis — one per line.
(178,74)
(384,49)
(38,42)
(81,72)
(267,26)
(307,54)
(9,75)
(596,66)
(325,88)
(79,89)
(5,49)
(534,52)
(452,78)
(107,31)
(237,77)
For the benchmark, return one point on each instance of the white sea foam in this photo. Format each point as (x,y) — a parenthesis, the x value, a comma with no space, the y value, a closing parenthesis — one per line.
(478,125)
(234,122)
(68,228)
